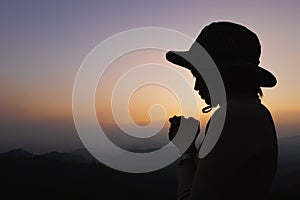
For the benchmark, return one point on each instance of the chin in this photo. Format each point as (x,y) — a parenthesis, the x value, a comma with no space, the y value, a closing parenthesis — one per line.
(207,101)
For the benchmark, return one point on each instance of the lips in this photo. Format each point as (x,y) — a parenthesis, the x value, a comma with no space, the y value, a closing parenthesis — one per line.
(201,95)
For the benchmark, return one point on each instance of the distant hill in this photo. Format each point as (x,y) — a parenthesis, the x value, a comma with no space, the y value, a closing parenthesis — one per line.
(78,175)
(17,153)
(57,175)
(288,173)
(84,154)
(65,157)
(289,154)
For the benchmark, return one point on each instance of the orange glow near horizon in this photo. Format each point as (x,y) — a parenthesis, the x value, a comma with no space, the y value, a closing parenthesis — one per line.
(142,99)
(145,96)
(56,104)
(52,100)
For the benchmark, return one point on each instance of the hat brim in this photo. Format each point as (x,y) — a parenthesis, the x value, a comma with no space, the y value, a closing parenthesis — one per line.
(263,76)
(178,58)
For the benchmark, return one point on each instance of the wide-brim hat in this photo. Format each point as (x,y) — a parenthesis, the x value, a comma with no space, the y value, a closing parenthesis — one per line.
(234,49)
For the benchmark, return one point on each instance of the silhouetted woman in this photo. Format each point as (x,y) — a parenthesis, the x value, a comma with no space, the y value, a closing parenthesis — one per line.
(243,162)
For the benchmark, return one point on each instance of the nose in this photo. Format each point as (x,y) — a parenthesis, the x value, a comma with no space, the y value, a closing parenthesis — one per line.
(196,88)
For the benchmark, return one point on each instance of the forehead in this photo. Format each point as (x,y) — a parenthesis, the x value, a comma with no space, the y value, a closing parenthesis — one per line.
(195,73)
(198,76)
(202,72)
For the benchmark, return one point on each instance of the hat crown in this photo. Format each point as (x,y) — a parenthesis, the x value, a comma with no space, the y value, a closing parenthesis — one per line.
(230,41)
(234,49)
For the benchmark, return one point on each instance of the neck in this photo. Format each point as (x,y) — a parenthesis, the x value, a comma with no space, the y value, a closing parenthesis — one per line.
(242,96)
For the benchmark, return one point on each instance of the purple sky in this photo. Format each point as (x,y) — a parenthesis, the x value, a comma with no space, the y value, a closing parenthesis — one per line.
(43,44)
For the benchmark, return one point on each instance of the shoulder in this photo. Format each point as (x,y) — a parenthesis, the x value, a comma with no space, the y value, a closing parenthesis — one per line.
(244,112)
(239,124)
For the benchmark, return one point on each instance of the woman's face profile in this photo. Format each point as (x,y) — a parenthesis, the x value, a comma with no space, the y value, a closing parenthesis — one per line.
(201,87)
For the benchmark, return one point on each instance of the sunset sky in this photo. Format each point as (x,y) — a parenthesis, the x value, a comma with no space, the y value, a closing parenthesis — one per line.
(43,44)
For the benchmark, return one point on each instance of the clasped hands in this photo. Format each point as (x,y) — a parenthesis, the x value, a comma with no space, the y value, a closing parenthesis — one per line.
(190,125)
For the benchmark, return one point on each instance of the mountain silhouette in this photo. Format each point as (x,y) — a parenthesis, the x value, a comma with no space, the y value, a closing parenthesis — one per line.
(85,154)
(17,153)
(65,157)
(78,175)
(289,150)
(287,181)
(72,175)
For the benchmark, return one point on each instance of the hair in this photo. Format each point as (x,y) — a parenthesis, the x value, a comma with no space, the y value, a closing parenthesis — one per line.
(235,86)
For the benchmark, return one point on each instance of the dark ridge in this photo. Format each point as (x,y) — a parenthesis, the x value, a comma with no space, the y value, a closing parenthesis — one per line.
(78,175)
(17,153)
(85,154)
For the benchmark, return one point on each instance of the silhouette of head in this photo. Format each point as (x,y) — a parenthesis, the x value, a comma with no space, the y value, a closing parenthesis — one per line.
(236,51)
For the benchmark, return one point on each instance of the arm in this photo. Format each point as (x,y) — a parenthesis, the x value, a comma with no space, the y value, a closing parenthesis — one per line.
(186,163)
(185,177)
(207,180)
(211,177)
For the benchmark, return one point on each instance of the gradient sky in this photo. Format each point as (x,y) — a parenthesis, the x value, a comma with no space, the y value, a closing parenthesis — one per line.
(43,44)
